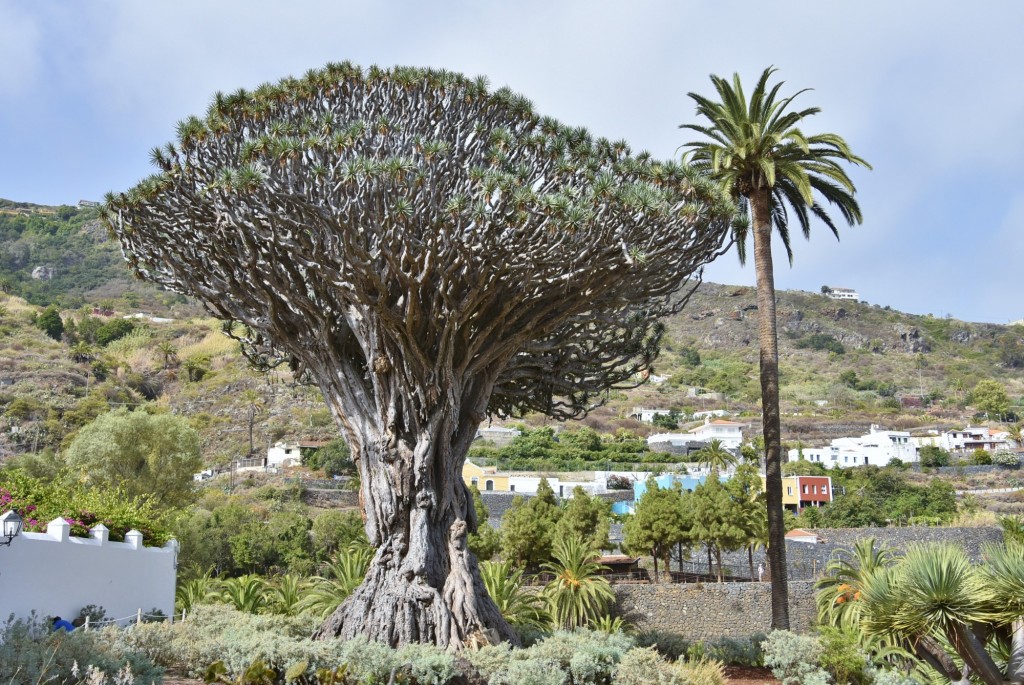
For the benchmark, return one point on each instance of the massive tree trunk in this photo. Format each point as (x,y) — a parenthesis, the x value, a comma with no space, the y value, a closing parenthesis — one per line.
(760,210)
(423,584)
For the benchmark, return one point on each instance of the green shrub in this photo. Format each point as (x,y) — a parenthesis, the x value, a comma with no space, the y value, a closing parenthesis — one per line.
(842,657)
(738,651)
(30,654)
(669,645)
(794,658)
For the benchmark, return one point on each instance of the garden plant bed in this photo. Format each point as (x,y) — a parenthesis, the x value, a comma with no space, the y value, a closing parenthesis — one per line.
(749,675)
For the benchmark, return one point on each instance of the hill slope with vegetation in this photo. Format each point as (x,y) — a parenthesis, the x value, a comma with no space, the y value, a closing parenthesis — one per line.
(69,354)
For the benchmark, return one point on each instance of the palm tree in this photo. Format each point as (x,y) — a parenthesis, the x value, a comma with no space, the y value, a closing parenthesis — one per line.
(578,595)
(255,404)
(504,583)
(757,154)
(715,457)
(840,589)
(169,352)
(1013,432)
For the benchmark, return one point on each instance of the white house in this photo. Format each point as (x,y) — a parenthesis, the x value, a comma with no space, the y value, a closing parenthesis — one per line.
(843,294)
(877,448)
(967,439)
(283,454)
(647,415)
(729,433)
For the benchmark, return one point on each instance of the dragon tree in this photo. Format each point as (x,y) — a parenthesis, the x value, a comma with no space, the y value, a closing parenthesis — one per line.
(428,253)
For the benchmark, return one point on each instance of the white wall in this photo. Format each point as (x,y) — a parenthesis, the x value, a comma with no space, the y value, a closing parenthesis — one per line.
(56,575)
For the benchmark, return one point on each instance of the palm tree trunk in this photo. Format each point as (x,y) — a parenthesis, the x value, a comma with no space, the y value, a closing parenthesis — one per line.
(750,560)
(718,558)
(768,338)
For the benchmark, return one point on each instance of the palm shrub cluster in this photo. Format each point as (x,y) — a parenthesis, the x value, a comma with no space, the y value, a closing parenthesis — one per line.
(288,594)
(933,609)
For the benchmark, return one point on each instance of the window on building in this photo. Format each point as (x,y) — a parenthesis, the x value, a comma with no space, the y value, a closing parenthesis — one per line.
(789,489)
(511,488)
(475,482)
(805,489)
(488,485)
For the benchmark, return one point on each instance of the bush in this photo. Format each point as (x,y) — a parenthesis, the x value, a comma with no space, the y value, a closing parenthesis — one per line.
(644,667)
(702,672)
(794,658)
(738,651)
(581,658)
(842,657)
(1006,458)
(30,654)
(669,645)
(934,456)
(821,341)
(980,457)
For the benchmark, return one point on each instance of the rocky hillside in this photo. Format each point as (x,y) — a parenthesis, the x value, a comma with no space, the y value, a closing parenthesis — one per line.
(844,365)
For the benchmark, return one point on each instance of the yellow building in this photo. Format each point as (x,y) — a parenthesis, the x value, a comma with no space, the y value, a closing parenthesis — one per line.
(790,491)
(485,478)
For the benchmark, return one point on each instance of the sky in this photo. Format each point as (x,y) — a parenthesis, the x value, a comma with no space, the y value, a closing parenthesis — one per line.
(928,91)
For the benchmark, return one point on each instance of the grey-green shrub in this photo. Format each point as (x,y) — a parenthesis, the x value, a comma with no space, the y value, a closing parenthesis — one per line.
(890,678)
(645,666)
(30,654)
(582,657)
(794,658)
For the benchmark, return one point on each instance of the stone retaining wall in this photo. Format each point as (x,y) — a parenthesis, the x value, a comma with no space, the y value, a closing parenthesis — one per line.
(706,611)
(964,469)
(807,560)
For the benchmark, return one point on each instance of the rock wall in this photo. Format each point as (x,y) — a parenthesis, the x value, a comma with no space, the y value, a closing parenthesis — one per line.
(807,561)
(706,611)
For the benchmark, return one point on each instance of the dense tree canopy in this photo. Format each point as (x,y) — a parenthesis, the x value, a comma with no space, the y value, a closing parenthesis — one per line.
(426,252)
(143,453)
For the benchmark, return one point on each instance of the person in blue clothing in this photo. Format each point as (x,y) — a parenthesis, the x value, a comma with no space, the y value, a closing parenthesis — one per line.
(61,624)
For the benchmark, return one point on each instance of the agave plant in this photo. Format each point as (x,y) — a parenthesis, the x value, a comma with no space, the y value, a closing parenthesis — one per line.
(504,583)
(246,593)
(343,575)
(578,595)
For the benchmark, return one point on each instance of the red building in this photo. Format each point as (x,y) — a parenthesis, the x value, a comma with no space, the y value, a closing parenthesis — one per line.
(812,491)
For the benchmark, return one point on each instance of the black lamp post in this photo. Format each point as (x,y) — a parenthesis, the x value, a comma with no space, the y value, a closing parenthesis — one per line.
(10,527)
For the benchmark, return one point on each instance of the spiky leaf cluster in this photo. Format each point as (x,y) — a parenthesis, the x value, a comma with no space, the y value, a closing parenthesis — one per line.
(410,220)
